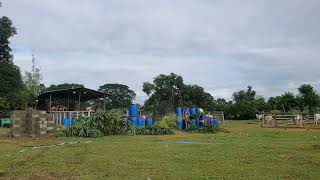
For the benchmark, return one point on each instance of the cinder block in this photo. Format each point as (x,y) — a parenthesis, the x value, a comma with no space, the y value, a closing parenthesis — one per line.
(42,132)
(16,126)
(50,128)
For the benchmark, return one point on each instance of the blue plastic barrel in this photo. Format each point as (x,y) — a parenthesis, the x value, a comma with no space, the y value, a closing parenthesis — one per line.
(211,122)
(134,120)
(73,120)
(179,111)
(197,123)
(198,110)
(149,122)
(207,122)
(192,111)
(216,122)
(180,123)
(133,111)
(141,122)
(66,122)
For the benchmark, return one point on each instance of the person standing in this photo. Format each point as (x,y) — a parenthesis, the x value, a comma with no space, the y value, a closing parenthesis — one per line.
(186,115)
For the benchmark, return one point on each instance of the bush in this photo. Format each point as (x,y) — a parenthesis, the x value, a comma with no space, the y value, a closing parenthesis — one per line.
(155,130)
(109,123)
(276,112)
(101,123)
(168,122)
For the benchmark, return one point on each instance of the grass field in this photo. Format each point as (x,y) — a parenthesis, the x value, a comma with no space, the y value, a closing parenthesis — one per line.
(246,152)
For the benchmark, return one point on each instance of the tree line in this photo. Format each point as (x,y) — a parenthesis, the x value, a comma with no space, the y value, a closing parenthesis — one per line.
(169,91)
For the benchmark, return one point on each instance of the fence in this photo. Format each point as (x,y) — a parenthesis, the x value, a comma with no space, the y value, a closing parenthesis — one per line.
(218,115)
(58,116)
(288,120)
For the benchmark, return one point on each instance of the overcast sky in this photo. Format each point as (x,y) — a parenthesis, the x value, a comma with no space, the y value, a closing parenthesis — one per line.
(224,46)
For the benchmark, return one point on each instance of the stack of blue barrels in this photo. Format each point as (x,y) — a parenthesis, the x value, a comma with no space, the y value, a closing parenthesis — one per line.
(180,122)
(149,121)
(66,121)
(136,120)
(194,111)
(133,114)
(212,122)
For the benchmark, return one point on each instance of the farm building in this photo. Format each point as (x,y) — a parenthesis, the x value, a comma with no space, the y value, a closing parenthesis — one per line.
(68,103)
(55,108)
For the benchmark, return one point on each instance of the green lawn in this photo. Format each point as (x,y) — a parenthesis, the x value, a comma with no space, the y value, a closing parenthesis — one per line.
(246,152)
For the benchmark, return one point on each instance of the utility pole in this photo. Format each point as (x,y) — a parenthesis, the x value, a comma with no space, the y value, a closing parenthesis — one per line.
(172,96)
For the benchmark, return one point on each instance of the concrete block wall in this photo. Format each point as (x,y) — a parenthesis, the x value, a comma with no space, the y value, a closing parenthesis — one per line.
(31,123)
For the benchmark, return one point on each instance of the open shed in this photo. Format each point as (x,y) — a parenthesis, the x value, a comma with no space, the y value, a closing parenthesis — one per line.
(68,103)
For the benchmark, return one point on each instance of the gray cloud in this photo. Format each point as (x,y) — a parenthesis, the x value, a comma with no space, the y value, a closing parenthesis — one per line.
(221,45)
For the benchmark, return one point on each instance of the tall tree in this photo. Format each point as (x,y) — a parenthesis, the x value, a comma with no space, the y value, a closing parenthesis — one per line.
(194,95)
(10,77)
(7,30)
(168,91)
(288,101)
(242,95)
(32,81)
(247,104)
(309,99)
(164,93)
(122,95)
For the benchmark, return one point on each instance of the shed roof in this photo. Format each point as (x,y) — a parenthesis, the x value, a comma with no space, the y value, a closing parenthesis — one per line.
(85,94)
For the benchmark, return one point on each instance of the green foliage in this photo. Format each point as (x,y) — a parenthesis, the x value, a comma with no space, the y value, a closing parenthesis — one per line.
(194,95)
(169,91)
(168,122)
(101,123)
(276,112)
(32,81)
(155,130)
(12,93)
(109,123)
(63,86)
(11,85)
(4,105)
(7,30)
(150,130)
(204,130)
(122,96)
(285,102)
(309,99)
(242,95)
(246,104)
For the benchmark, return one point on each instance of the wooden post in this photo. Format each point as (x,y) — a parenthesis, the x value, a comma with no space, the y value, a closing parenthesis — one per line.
(79,101)
(68,101)
(50,103)
(104,103)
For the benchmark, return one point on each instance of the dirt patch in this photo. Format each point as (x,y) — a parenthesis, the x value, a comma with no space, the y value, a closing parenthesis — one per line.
(309,146)
(316,146)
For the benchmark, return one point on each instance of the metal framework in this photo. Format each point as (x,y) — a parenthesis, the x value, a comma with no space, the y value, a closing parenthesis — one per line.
(68,102)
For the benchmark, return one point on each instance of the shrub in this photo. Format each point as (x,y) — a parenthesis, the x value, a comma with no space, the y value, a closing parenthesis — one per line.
(168,122)
(101,123)
(109,123)
(205,129)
